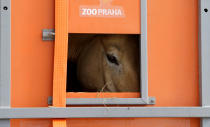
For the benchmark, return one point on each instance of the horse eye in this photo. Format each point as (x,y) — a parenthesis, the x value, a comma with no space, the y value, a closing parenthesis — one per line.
(112,59)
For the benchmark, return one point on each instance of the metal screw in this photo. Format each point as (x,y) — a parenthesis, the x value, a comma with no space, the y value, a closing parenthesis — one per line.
(5,8)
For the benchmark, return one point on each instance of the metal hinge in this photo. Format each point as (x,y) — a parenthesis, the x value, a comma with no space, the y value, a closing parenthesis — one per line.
(48,34)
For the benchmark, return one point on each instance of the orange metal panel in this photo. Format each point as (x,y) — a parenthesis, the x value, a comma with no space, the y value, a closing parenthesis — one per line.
(172,51)
(114,122)
(93,21)
(102,95)
(32,59)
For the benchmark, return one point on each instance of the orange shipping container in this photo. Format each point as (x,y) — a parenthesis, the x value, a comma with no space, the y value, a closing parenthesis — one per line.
(172,54)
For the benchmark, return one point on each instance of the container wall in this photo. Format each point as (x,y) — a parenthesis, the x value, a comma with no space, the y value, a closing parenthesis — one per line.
(172,53)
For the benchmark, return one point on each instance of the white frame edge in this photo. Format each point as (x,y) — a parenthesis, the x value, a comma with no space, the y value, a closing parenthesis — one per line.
(5,55)
(204,57)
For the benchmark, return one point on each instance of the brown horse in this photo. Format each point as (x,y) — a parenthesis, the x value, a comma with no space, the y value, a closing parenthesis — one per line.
(108,63)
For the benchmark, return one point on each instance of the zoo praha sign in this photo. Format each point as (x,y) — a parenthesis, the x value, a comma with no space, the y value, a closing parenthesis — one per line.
(104,16)
(105,9)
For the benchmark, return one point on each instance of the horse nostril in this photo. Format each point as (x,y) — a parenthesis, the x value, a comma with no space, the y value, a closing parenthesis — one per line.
(112,59)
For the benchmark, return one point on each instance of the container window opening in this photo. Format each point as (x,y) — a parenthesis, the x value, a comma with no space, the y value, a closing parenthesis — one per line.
(103,63)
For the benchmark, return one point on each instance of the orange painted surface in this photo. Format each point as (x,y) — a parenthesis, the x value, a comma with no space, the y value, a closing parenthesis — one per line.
(114,122)
(32,59)
(172,52)
(102,95)
(128,23)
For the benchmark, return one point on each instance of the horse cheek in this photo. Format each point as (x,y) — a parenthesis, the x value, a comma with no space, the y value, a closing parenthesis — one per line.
(89,68)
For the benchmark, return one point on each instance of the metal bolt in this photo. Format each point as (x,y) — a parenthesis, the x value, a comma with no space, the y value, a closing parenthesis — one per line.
(5,8)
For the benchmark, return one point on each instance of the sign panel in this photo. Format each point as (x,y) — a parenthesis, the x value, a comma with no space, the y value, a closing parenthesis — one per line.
(104,16)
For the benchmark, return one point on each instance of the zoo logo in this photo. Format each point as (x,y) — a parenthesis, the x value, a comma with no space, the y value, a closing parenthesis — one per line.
(105,9)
